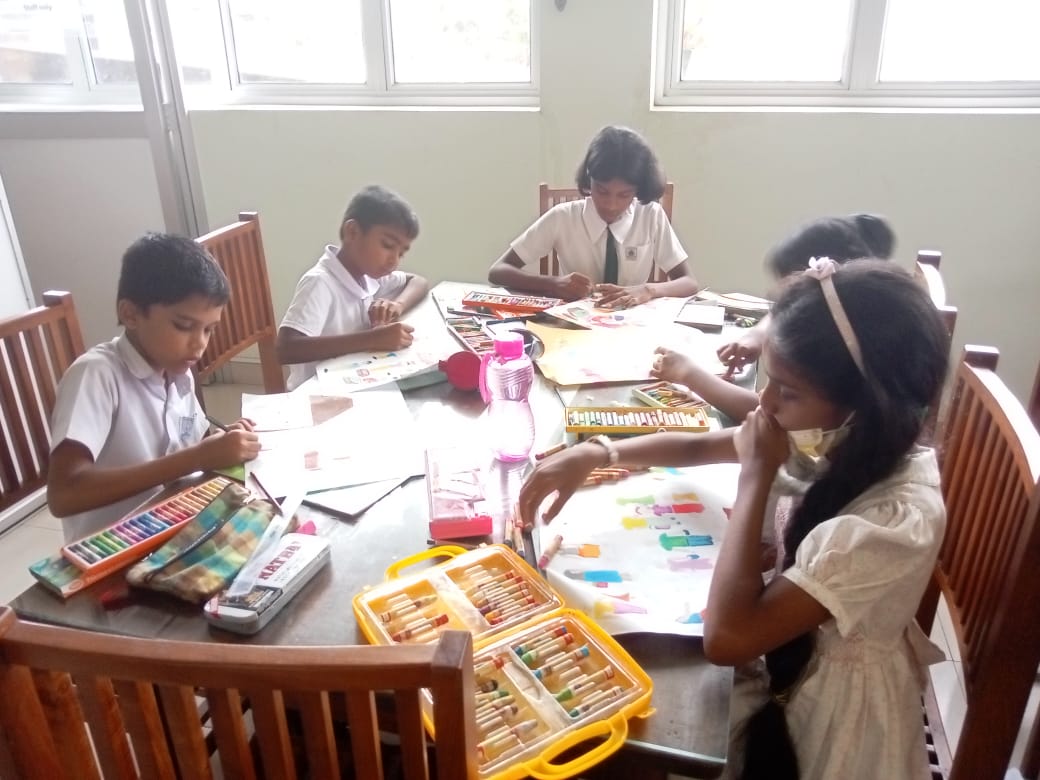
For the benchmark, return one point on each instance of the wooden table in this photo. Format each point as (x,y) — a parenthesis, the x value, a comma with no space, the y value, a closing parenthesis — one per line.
(688,733)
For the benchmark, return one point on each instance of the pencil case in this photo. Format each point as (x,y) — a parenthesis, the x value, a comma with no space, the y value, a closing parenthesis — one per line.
(547,677)
(615,420)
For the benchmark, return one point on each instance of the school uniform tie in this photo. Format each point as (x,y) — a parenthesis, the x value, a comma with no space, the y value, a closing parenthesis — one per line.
(610,266)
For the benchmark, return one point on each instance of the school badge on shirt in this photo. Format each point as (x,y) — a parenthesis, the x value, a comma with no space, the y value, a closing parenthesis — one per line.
(630,253)
(187,429)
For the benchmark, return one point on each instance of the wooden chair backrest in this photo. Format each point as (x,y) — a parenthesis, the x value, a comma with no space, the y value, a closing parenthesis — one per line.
(927,274)
(64,690)
(249,316)
(1034,401)
(554,196)
(987,568)
(35,350)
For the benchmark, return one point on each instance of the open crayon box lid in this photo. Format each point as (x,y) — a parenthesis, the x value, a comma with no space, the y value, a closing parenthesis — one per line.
(547,678)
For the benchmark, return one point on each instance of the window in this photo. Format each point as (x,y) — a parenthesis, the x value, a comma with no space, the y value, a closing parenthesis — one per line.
(846,52)
(272,51)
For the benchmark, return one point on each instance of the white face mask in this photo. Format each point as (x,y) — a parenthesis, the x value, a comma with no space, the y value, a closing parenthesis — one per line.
(809,448)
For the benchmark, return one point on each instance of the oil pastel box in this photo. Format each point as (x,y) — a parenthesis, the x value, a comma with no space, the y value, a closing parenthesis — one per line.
(547,677)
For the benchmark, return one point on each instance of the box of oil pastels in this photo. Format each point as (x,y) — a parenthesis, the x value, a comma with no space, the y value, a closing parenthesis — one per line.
(547,677)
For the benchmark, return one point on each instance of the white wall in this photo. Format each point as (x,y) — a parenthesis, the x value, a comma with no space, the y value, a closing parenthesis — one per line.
(968,184)
(77,204)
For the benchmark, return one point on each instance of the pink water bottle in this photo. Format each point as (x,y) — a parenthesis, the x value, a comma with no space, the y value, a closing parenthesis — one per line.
(506,377)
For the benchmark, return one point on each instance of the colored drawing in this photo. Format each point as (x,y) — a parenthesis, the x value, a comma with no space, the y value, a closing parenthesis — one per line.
(685,540)
(689,563)
(640,500)
(634,522)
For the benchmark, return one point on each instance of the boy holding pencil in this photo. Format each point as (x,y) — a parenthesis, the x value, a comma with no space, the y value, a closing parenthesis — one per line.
(126,418)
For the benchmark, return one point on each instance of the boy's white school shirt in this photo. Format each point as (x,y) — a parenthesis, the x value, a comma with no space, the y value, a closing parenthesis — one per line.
(329,301)
(116,405)
(644,238)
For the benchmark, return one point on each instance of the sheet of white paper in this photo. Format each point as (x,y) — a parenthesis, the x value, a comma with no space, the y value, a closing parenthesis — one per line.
(277,411)
(658,534)
(371,441)
(586,314)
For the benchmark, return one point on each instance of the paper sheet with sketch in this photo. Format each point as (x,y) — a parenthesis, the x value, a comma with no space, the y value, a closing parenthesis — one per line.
(587,314)
(638,555)
(372,440)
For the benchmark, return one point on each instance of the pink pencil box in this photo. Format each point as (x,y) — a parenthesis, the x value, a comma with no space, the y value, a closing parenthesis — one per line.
(455,487)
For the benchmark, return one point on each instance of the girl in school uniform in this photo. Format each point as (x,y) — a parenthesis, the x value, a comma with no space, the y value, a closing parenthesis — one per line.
(613,242)
(855,355)
(839,238)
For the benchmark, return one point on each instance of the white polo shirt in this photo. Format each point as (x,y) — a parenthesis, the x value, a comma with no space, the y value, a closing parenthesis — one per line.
(126,413)
(644,238)
(329,301)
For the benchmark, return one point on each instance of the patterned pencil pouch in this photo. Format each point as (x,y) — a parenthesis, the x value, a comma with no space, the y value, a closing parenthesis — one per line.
(206,554)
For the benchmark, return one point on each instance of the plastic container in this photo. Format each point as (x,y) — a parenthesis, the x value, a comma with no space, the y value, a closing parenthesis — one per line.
(566,679)
(506,377)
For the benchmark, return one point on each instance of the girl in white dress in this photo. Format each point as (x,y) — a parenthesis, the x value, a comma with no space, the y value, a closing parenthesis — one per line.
(854,357)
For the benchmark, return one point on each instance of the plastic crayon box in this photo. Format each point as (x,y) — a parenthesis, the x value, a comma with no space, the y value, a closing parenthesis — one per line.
(547,678)
(517,304)
(668,395)
(142,531)
(470,331)
(633,419)
(455,491)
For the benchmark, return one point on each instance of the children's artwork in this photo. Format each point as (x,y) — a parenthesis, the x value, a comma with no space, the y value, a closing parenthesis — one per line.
(281,411)
(360,370)
(638,555)
(587,314)
(372,440)
(583,357)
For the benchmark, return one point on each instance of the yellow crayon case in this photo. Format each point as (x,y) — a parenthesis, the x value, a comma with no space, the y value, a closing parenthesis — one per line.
(547,675)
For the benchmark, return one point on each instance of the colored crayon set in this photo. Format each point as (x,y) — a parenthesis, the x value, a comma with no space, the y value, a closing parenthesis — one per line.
(132,537)
(512,304)
(668,395)
(471,332)
(614,420)
(542,673)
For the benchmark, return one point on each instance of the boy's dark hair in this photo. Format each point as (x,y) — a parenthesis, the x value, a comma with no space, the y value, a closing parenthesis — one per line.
(839,238)
(375,205)
(164,268)
(621,153)
(905,351)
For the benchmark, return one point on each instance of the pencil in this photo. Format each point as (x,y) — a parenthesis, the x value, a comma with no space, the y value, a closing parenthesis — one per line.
(217,423)
(551,451)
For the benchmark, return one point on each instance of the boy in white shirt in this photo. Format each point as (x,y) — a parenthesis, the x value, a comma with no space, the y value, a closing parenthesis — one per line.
(126,418)
(353,298)
(612,242)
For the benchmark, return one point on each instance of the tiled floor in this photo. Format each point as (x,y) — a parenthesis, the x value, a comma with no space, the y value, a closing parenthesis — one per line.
(40,535)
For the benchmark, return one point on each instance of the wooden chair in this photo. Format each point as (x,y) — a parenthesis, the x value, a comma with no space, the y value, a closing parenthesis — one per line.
(928,276)
(1034,401)
(554,196)
(987,570)
(79,704)
(249,317)
(35,350)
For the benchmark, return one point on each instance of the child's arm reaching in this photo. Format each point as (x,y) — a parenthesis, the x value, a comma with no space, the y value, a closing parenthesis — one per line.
(383,311)
(508,271)
(296,347)
(735,402)
(76,484)
(746,349)
(565,472)
(747,617)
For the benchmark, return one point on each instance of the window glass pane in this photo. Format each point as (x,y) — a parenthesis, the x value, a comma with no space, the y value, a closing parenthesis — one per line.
(764,40)
(461,41)
(109,41)
(961,40)
(199,40)
(310,41)
(32,42)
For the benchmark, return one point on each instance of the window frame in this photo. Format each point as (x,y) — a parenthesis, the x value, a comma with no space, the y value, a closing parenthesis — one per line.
(859,86)
(228,90)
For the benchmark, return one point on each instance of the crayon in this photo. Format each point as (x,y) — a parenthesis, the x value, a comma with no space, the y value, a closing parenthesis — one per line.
(547,637)
(550,550)
(551,451)
(421,627)
(596,699)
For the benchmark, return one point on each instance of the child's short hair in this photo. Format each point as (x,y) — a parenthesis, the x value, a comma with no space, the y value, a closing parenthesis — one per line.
(839,238)
(622,153)
(165,269)
(375,205)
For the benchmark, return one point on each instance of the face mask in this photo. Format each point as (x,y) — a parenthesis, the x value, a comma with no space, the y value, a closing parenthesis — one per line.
(809,448)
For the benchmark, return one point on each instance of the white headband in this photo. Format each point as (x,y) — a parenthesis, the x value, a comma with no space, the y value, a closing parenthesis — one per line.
(822,269)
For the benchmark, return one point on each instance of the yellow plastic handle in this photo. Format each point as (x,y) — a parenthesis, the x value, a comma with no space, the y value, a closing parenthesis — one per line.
(544,769)
(445,551)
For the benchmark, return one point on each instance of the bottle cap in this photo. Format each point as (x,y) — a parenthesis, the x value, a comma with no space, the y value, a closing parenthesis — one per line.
(509,344)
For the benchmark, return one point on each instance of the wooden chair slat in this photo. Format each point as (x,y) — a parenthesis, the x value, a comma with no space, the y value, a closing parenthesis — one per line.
(413,736)
(144,726)
(272,733)
(101,710)
(181,717)
(24,727)
(364,733)
(66,721)
(249,316)
(319,736)
(34,412)
(229,730)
